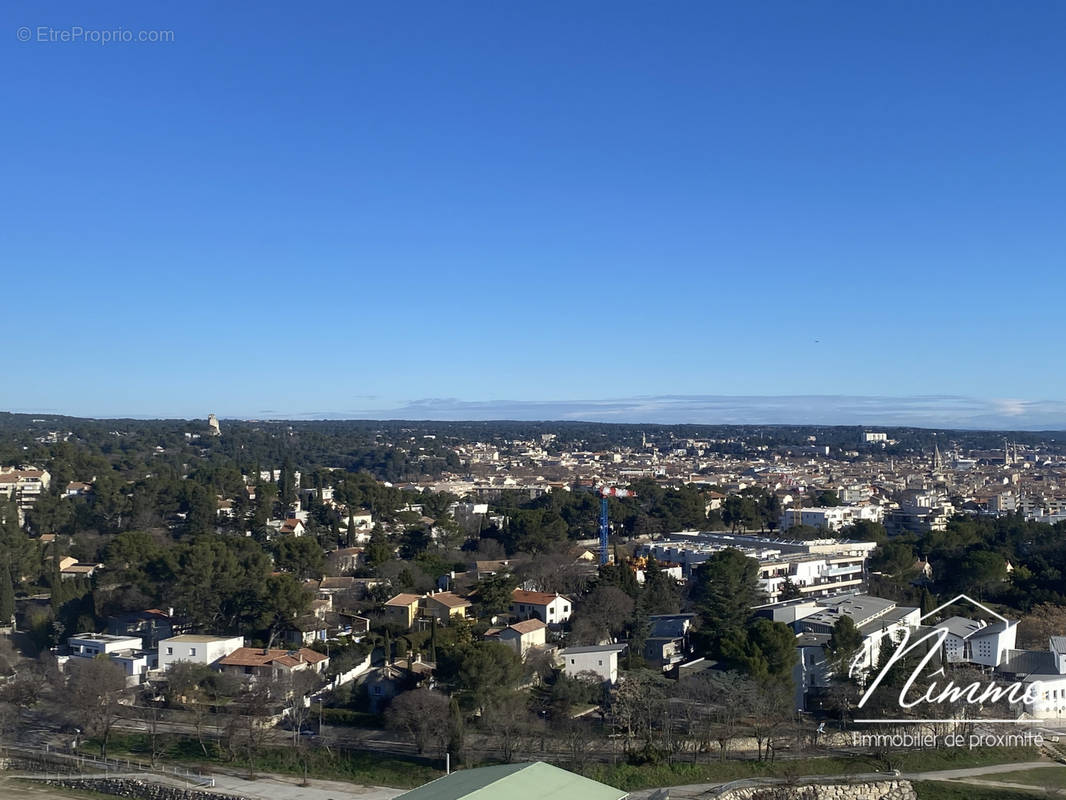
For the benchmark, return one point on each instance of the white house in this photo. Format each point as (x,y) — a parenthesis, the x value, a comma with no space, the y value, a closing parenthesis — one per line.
(548,608)
(601,660)
(198,649)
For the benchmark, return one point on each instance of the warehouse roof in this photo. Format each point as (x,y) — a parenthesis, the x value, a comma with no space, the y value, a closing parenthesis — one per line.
(532,781)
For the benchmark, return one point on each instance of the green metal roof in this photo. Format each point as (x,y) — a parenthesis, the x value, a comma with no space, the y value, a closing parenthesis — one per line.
(532,781)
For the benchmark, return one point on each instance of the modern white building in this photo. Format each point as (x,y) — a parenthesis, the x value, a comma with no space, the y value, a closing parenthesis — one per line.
(206,650)
(91,645)
(125,651)
(601,660)
(977,642)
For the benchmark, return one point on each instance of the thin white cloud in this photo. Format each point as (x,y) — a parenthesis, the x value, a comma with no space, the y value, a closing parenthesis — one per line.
(948,411)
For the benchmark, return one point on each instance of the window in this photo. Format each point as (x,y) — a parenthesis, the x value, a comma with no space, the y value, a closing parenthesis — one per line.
(170,651)
(572,662)
(192,651)
(600,663)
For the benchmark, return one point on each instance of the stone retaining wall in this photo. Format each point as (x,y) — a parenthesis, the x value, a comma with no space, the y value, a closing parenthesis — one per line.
(880,790)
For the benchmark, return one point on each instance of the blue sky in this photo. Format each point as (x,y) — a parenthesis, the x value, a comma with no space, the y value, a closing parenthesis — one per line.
(352,209)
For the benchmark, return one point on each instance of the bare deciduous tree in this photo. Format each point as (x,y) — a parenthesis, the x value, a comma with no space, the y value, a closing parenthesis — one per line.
(93,693)
(422,713)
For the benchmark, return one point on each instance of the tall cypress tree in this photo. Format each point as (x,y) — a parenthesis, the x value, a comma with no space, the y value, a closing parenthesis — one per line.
(7,591)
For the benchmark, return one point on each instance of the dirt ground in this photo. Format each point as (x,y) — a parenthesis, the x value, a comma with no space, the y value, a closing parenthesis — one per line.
(25,790)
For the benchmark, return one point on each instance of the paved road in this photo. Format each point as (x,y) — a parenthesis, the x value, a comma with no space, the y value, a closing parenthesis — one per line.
(286,787)
(262,787)
(973,772)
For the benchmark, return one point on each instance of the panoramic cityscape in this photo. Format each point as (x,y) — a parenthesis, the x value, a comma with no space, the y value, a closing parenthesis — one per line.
(484,401)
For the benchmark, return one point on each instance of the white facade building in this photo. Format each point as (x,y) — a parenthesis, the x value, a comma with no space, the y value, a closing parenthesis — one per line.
(125,651)
(198,649)
(976,642)
(601,660)
(831,518)
(816,567)
(552,609)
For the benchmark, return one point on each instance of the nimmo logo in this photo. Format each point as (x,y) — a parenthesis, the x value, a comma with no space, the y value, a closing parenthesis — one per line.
(975,693)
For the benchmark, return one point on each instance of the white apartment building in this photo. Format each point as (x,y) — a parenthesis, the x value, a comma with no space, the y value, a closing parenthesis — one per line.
(206,650)
(831,518)
(816,567)
(877,619)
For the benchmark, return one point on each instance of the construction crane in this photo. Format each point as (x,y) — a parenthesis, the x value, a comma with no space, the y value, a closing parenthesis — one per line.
(605,493)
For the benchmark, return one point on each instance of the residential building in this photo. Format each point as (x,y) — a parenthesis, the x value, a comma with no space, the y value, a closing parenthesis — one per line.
(402,609)
(831,518)
(346,559)
(667,643)
(816,567)
(150,626)
(25,486)
(197,649)
(293,527)
(258,663)
(553,609)
(70,569)
(445,606)
(602,660)
(126,651)
(521,636)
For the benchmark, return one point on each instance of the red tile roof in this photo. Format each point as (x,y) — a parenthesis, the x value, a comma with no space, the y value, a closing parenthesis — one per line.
(258,657)
(533,598)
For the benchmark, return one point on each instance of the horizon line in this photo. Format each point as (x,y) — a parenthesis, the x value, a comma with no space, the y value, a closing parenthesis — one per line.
(541,421)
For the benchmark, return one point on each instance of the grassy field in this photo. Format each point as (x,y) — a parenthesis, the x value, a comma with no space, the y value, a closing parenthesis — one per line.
(374,769)
(643,776)
(934,790)
(370,769)
(1052,777)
